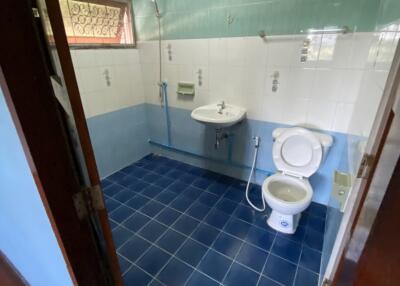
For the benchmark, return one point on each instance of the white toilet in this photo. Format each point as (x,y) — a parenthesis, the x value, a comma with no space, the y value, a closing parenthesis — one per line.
(297,154)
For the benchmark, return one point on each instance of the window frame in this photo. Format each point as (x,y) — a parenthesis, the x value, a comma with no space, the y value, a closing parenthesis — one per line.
(83,46)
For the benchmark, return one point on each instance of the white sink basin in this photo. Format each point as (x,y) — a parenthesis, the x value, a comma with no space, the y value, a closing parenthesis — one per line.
(212,115)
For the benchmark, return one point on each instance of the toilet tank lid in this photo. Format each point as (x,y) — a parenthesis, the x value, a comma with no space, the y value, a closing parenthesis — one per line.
(325,139)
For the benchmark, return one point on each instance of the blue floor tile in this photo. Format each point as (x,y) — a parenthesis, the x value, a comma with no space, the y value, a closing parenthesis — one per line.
(153,260)
(264,281)
(117,176)
(152,208)
(171,241)
(237,228)
(161,170)
(111,204)
(169,276)
(152,231)
(227,244)
(123,264)
(252,257)
(260,238)
(178,187)
(227,206)
(217,188)
(198,211)
(215,265)
(137,277)
(208,199)
(286,249)
(174,174)
(124,195)
(314,239)
(317,210)
(181,203)
(138,172)
(138,186)
(218,232)
(305,277)
(121,213)
(280,270)
(202,183)
(185,224)
(315,223)
(127,180)
(168,216)
(245,213)
(310,259)
(298,236)
(192,192)
(113,189)
(205,234)
(199,279)
(137,202)
(191,252)
(187,178)
(155,282)
(165,197)
(150,177)
(121,235)
(239,276)
(163,182)
(136,221)
(217,218)
(134,248)
(151,191)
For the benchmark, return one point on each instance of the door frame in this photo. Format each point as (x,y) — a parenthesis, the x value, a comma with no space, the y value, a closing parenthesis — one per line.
(348,243)
(37,116)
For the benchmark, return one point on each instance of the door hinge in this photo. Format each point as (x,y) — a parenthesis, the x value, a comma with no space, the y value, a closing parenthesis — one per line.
(35,12)
(365,166)
(88,200)
(326,282)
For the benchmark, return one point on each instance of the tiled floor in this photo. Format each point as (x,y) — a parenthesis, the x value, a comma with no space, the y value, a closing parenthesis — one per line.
(175,224)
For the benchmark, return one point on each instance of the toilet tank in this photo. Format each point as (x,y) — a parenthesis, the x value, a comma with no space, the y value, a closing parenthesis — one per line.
(325,139)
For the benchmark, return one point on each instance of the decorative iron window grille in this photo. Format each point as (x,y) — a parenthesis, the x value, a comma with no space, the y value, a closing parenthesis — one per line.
(98,22)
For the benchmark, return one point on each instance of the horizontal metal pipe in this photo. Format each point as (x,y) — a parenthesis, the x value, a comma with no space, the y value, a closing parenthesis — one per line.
(226,162)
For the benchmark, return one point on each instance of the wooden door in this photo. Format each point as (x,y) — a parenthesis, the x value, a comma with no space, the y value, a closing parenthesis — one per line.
(41,91)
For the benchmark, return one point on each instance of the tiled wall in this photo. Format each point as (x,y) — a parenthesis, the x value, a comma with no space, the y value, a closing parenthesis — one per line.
(111,87)
(321,93)
(124,86)
(193,19)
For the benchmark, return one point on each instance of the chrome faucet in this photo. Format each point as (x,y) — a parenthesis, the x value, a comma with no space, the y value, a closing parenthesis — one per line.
(221,107)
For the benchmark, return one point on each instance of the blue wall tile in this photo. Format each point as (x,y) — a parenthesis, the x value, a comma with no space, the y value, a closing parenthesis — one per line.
(192,137)
(119,138)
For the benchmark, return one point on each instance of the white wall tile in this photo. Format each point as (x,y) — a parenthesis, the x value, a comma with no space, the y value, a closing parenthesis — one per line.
(326,85)
(255,50)
(342,118)
(218,52)
(320,113)
(301,82)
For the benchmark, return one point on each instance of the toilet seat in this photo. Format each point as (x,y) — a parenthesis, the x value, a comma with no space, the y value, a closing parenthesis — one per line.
(297,152)
(287,194)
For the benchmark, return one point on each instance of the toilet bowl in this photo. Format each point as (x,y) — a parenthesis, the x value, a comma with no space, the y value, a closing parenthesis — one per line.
(297,154)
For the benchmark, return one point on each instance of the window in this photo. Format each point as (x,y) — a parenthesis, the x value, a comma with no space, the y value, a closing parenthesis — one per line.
(98,23)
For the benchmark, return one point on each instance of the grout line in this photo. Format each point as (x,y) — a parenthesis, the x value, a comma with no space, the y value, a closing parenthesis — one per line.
(231,215)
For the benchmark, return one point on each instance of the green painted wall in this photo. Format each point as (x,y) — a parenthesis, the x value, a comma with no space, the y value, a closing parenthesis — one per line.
(186,19)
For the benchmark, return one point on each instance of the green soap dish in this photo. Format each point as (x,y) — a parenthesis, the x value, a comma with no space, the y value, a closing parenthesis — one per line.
(185,88)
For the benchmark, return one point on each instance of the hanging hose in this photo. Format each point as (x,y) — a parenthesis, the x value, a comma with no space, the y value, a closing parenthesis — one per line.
(256,145)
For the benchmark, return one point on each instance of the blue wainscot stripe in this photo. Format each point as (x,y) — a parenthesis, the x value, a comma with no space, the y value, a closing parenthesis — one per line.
(190,137)
(119,138)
